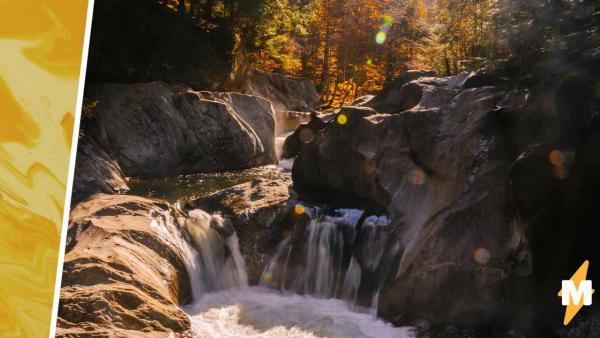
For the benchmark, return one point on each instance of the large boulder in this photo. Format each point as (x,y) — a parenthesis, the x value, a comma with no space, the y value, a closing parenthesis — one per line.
(397,96)
(124,272)
(257,112)
(490,190)
(442,173)
(95,171)
(254,208)
(290,96)
(155,129)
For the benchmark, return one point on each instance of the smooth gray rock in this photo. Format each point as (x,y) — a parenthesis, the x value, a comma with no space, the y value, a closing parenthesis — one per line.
(155,129)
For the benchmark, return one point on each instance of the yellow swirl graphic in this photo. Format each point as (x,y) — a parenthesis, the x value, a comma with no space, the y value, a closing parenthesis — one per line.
(40,55)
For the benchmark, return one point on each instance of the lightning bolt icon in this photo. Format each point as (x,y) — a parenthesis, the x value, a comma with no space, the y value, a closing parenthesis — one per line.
(577,277)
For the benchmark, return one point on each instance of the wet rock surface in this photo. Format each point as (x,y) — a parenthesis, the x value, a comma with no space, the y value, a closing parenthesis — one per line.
(255,208)
(123,273)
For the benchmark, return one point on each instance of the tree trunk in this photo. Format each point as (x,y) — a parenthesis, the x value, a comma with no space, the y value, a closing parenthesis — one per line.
(325,69)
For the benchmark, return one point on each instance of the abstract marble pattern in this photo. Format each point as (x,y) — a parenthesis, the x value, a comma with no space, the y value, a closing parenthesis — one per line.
(40,53)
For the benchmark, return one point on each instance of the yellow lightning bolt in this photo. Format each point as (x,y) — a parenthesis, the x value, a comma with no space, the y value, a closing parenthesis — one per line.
(577,277)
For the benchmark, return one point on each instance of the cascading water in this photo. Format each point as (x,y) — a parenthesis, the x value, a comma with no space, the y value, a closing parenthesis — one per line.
(340,257)
(209,247)
(225,306)
(352,281)
(285,163)
(220,264)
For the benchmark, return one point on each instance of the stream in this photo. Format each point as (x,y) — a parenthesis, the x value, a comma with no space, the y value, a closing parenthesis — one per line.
(192,186)
(311,289)
(324,306)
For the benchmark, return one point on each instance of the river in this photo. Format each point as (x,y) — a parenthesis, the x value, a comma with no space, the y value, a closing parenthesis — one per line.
(318,298)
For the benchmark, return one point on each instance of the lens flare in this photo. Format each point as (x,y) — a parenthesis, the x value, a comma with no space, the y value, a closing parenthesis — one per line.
(417,177)
(380,37)
(342,119)
(267,276)
(482,256)
(299,209)
(306,135)
(388,20)
(556,157)
(561,160)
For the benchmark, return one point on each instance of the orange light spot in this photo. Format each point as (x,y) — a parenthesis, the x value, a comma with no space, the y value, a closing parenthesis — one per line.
(482,256)
(556,157)
(417,177)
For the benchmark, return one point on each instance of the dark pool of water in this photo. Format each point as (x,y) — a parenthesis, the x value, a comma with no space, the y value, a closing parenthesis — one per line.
(186,187)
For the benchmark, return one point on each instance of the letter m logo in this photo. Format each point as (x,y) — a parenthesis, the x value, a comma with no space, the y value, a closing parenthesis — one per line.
(572,295)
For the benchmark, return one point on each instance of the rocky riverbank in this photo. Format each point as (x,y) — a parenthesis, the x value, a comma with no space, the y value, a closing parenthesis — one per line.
(462,190)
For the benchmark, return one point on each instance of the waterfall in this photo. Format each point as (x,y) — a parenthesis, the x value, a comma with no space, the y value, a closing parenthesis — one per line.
(220,264)
(209,247)
(168,227)
(285,163)
(352,281)
(225,306)
(325,246)
(340,248)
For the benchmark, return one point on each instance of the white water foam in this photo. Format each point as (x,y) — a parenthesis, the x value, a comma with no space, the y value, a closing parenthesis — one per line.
(284,163)
(259,312)
(226,307)
(217,263)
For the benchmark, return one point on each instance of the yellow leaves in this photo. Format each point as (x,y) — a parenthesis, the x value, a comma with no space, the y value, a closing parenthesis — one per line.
(422,10)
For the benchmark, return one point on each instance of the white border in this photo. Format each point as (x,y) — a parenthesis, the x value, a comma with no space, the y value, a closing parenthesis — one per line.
(74,143)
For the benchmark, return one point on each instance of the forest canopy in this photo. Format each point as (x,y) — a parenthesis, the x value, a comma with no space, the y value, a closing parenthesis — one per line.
(354,47)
